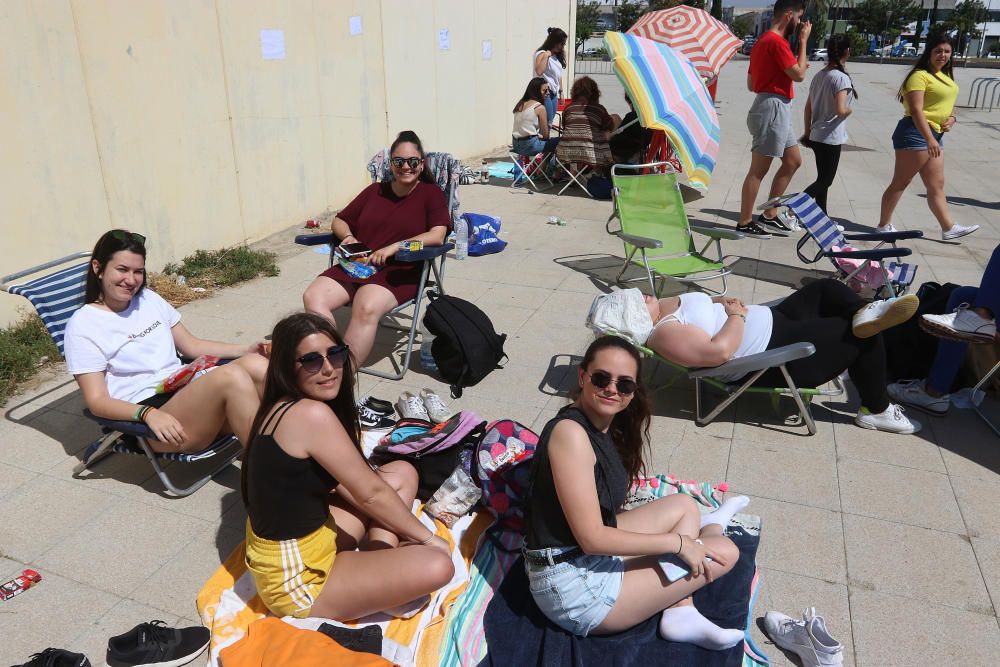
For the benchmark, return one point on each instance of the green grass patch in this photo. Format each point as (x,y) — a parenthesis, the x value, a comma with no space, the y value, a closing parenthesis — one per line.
(22,349)
(222,268)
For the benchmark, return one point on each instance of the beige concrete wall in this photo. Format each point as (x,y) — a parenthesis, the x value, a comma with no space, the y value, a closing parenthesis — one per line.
(163,117)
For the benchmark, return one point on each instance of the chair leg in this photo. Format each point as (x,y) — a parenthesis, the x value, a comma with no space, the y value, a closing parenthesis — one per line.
(96,451)
(803,408)
(702,421)
(978,387)
(181,492)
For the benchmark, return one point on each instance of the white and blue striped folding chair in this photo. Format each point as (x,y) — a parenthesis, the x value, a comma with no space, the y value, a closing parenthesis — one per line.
(55,297)
(823,231)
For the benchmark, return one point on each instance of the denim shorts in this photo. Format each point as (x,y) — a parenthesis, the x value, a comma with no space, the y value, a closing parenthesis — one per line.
(532,146)
(578,594)
(907,137)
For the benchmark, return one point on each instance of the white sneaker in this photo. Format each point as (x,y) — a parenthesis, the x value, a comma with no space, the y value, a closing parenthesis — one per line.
(958,231)
(891,421)
(411,407)
(436,408)
(964,324)
(887,229)
(914,393)
(881,315)
(808,638)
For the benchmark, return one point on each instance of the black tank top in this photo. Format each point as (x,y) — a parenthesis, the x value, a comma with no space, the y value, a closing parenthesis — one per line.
(288,497)
(546,524)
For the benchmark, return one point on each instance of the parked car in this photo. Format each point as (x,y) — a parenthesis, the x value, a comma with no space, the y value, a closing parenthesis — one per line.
(747,45)
(590,53)
(818,54)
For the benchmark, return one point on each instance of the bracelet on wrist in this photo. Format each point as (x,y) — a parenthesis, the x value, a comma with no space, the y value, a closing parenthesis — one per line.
(145,412)
(681,547)
(138,413)
(739,315)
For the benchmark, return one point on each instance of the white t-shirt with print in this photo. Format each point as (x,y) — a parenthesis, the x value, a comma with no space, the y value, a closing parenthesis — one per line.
(135,348)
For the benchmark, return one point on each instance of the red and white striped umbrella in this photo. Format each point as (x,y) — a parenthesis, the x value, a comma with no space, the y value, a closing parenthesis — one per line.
(696,34)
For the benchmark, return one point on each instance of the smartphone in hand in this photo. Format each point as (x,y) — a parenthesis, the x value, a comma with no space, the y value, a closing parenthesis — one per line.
(353,250)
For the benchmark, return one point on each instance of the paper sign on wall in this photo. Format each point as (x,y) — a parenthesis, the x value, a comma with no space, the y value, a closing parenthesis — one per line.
(272,44)
(444,39)
(487,49)
(355,25)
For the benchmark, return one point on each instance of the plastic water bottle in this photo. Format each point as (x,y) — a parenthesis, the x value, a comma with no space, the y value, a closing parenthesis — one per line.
(426,356)
(461,239)
(484,172)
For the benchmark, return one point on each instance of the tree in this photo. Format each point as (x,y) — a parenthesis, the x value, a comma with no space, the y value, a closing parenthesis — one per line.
(627,13)
(742,26)
(965,20)
(717,9)
(874,17)
(587,14)
(818,12)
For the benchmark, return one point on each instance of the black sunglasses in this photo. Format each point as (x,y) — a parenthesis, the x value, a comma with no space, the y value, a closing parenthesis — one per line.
(411,162)
(626,386)
(312,362)
(126,237)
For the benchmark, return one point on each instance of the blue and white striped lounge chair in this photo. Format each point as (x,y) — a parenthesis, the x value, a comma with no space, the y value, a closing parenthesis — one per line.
(825,233)
(55,297)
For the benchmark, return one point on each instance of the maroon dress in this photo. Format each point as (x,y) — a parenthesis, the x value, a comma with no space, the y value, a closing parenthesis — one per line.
(378,218)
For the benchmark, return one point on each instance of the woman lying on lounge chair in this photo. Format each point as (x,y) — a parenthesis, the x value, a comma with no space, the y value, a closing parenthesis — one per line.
(697,331)
(592,568)
(123,344)
(312,499)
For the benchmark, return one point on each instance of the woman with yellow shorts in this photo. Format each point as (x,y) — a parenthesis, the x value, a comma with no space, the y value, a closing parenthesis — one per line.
(328,535)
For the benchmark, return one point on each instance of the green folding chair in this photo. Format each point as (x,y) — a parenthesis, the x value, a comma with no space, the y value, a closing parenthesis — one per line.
(650,211)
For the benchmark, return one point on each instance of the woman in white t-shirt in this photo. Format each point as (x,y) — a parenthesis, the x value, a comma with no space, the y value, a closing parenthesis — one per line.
(697,331)
(550,63)
(124,342)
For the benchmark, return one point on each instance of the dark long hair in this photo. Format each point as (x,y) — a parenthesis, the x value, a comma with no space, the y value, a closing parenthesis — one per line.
(280,382)
(924,61)
(111,242)
(585,87)
(532,92)
(630,428)
(555,37)
(836,47)
(410,137)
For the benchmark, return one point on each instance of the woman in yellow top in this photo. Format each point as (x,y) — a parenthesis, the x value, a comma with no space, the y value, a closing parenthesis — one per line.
(928,95)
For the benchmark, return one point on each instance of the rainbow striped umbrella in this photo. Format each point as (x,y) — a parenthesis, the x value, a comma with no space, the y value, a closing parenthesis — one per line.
(696,34)
(669,95)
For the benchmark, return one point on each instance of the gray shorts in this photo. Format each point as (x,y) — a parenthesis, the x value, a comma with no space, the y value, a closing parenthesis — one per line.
(770,125)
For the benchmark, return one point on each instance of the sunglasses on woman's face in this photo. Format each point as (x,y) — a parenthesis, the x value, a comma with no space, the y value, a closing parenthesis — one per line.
(126,237)
(411,162)
(312,362)
(625,385)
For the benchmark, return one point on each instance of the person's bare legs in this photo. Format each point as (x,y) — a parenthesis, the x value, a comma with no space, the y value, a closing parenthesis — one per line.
(324,296)
(352,527)
(791,160)
(256,366)
(932,174)
(370,304)
(759,164)
(645,590)
(908,163)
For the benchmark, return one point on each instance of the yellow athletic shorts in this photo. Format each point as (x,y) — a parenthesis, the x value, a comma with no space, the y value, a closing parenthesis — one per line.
(291,573)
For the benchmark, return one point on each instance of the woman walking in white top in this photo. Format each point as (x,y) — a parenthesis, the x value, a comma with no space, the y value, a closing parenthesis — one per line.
(550,62)
(827,108)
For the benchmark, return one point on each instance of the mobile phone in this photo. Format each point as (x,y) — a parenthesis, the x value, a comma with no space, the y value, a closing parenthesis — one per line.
(672,570)
(350,250)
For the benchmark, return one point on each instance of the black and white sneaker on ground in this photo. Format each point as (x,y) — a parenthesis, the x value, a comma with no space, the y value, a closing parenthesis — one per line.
(57,657)
(754,230)
(782,223)
(156,645)
(375,413)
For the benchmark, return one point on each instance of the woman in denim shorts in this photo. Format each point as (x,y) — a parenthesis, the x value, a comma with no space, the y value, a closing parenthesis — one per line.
(592,568)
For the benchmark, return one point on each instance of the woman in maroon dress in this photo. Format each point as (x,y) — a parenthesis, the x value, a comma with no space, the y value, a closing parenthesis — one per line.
(410,207)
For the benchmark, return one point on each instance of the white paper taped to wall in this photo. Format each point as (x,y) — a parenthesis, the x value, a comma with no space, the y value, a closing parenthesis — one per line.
(487,49)
(444,39)
(355,25)
(272,44)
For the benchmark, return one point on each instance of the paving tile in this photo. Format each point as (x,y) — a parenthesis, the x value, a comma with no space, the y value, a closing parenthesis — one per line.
(53,509)
(154,536)
(903,495)
(780,473)
(802,540)
(689,455)
(122,617)
(757,421)
(919,563)
(891,630)
(208,503)
(117,474)
(981,516)
(48,439)
(968,446)
(988,556)
(866,445)
(12,477)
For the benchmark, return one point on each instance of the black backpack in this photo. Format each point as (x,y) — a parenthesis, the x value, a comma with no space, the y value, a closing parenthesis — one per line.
(466,347)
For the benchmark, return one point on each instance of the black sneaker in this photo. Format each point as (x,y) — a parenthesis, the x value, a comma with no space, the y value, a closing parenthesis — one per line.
(377,405)
(155,645)
(778,224)
(369,418)
(753,229)
(57,657)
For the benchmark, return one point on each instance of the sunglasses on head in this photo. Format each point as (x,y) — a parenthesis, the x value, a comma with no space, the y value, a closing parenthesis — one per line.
(312,362)
(126,237)
(411,162)
(625,385)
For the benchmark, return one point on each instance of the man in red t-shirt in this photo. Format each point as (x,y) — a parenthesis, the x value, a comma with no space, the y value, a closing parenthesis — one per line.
(773,68)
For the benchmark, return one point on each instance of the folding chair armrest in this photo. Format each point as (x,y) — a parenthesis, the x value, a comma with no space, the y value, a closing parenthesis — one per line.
(137,429)
(874,253)
(41,267)
(314,239)
(719,233)
(424,254)
(886,237)
(639,241)
(756,362)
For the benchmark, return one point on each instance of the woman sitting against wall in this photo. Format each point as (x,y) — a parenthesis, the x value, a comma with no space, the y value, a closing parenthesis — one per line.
(410,207)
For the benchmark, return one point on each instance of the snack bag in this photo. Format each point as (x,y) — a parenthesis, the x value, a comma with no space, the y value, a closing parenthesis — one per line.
(186,373)
(356,269)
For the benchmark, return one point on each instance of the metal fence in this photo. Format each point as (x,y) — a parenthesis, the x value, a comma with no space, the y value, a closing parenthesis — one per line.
(593,66)
(988,87)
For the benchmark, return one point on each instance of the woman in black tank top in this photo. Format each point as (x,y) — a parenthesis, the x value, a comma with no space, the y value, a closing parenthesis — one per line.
(593,568)
(305,479)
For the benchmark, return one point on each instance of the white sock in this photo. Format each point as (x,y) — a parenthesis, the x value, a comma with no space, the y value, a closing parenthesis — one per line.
(686,624)
(724,514)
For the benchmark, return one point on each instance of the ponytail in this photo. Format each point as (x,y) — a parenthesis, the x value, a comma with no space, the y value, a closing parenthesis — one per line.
(836,46)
